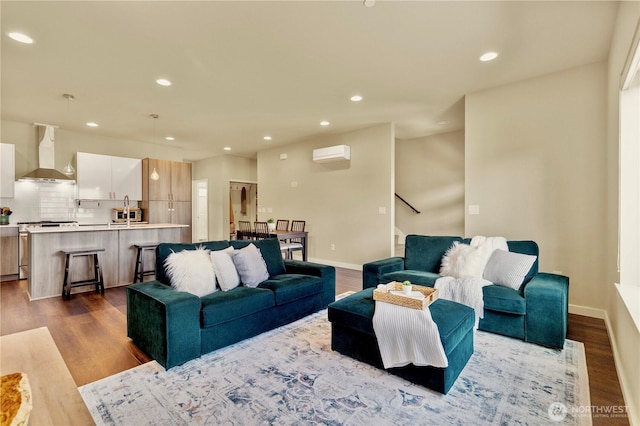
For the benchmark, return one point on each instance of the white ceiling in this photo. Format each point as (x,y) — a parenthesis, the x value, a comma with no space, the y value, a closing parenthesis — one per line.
(242,70)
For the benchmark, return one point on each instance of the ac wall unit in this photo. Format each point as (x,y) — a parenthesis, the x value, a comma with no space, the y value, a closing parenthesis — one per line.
(332,153)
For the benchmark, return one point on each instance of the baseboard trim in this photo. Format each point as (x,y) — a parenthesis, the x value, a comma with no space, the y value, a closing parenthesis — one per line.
(587,311)
(337,264)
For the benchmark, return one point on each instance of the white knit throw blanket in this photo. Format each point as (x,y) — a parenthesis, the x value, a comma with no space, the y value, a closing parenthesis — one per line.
(407,336)
(465,290)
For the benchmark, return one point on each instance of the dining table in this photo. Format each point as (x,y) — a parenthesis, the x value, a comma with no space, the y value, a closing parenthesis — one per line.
(284,235)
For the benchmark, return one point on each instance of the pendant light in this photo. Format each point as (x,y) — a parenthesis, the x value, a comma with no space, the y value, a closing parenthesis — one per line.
(154,174)
(68,169)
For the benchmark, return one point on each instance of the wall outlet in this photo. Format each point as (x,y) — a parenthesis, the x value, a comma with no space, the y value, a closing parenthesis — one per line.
(294,184)
(474,209)
(382,210)
(283,156)
(333,247)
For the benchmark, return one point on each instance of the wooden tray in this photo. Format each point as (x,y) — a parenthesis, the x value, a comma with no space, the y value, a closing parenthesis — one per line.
(385,295)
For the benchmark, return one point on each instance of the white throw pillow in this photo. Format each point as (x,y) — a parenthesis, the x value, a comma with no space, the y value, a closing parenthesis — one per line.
(250,265)
(191,271)
(224,269)
(462,260)
(508,269)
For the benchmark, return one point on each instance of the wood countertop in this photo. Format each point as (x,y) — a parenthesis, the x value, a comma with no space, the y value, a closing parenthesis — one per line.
(54,394)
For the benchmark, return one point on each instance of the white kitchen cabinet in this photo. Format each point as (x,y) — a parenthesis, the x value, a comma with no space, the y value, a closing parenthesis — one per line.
(93,176)
(7,170)
(126,178)
(104,177)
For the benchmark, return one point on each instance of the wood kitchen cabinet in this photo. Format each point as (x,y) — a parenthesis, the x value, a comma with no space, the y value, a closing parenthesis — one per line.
(9,251)
(174,183)
(168,199)
(104,177)
(178,212)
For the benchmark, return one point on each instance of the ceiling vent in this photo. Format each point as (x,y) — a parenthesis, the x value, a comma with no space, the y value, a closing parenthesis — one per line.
(332,153)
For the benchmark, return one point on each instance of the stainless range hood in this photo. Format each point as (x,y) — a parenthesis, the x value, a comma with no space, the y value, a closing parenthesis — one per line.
(46,159)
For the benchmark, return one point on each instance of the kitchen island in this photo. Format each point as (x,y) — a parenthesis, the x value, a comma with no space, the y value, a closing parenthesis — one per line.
(46,260)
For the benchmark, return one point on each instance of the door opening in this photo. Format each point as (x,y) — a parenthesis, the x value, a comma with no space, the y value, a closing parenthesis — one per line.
(243,203)
(200,210)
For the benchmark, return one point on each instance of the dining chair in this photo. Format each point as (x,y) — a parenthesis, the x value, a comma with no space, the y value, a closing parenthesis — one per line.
(260,230)
(294,244)
(282,225)
(244,229)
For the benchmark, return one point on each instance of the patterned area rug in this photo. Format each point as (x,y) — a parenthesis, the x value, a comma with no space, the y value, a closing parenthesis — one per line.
(291,376)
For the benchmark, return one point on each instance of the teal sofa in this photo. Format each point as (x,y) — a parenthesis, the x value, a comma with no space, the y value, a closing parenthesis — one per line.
(537,312)
(174,327)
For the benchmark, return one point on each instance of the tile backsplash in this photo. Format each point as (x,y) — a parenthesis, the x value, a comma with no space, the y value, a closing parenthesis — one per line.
(55,201)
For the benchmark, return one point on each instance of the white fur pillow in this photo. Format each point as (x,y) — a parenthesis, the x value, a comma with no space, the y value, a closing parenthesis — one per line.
(224,269)
(487,245)
(250,265)
(508,269)
(462,260)
(191,271)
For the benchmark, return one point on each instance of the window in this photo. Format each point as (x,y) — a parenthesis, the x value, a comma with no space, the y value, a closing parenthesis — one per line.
(629,186)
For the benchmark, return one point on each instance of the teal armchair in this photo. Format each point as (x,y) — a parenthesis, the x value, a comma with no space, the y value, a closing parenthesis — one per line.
(537,312)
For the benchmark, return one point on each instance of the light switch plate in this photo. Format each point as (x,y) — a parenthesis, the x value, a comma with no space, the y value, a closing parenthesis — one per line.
(474,209)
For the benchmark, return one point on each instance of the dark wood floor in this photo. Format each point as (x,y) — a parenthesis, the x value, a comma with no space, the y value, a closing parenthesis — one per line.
(90,332)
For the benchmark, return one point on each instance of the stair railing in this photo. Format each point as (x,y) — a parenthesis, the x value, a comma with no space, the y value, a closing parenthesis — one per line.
(407,203)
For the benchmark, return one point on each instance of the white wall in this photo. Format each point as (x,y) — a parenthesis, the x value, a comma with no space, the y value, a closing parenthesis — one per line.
(219,171)
(430,176)
(535,163)
(339,201)
(625,336)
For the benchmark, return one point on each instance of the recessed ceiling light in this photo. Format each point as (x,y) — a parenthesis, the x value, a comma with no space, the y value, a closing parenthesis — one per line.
(356,98)
(324,123)
(369,3)
(92,124)
(267,138)
(489,56)
(227,148)
(170,138)
(22,38)
(163,82)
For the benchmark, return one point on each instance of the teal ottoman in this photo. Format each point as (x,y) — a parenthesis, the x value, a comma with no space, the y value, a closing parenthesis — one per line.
(352,335)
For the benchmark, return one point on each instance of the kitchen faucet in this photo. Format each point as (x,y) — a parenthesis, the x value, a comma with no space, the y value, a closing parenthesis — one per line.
(126,210)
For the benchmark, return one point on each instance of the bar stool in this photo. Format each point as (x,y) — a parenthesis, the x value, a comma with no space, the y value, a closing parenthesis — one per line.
(140,272)
(97,279)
